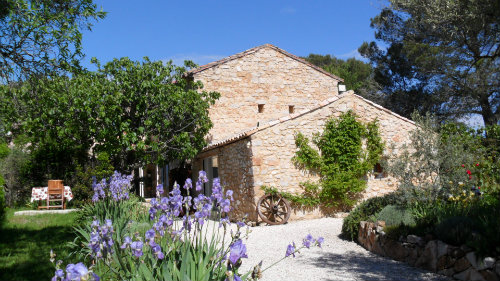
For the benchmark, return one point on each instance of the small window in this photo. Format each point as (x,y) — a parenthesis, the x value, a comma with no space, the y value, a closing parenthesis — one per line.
(378,171)
(261,108)
(291,109)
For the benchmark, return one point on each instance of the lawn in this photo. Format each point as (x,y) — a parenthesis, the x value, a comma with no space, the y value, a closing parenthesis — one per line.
(26,241)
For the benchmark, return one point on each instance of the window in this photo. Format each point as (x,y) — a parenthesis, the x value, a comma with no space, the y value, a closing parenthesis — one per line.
(261,108)
(211,167)
(378,171)
(291,109)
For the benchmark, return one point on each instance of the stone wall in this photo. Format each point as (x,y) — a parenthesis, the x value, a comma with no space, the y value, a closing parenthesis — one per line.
(458,262)
(274,147)
(266,76)
(235,173)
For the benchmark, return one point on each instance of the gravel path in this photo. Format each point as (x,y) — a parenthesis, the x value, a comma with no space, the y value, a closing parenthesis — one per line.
(337,260)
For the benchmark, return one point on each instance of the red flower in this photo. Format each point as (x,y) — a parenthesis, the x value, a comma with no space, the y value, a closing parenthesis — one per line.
(478,187)
(468,172)
(470,177)
(477,164)
(463,166)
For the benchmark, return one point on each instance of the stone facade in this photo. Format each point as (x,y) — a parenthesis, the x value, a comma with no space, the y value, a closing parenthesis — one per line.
(458,262)
(262,156)
(264,75)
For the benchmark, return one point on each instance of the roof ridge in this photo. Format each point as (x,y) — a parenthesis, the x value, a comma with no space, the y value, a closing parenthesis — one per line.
(292,116)
(255,49)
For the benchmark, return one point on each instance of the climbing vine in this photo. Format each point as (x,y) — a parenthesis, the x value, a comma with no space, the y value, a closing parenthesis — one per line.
(346,151)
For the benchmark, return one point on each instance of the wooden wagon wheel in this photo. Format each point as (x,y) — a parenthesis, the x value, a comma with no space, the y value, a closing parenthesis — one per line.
(273,209)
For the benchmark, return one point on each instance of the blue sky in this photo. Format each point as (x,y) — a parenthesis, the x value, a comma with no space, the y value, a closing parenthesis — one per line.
(205,31)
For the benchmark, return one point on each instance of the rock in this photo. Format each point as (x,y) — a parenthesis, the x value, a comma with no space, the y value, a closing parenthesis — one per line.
(442,248)
(469,275)
(466,248)
(461,264)
(395,250)
(456,252)
(381,223)
(428,259)
(480,264)
(497,268)
(428,237)
(444,262)
(414,239)
(447,272)
(412,256)
(489,275)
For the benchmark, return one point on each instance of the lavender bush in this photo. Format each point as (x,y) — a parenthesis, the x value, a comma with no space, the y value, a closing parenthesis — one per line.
(170,247)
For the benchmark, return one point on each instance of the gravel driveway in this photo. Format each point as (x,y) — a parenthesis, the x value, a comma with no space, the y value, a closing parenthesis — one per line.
(337,260)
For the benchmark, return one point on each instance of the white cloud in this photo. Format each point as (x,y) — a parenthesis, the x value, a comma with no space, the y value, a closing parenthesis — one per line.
(352,54)
(288,10)
(196,58)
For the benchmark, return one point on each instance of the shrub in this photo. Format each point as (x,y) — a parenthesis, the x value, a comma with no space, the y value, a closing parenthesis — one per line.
(455,230)
(347,151)
(13,169)
(363,212)
(395,216)
(2,200)
(82,189)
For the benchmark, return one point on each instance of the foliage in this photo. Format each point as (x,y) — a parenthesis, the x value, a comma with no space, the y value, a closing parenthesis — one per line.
(444,54)
(82,190)
(455,230)
(365,211)
(136,112)
(395,215)
(309,198)
(166,246)
(357,75)
(26,241)
(40,37)
(443,161)
(341,161)
(2,201)
(13,169)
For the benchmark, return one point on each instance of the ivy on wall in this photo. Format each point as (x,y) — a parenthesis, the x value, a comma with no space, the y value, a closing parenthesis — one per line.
(343,154)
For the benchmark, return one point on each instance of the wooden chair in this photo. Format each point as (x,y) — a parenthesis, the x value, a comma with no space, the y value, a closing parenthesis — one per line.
(55,193)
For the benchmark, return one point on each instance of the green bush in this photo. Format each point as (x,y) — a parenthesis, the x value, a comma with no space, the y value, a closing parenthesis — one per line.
(2,200)
(456,230)
(396,215)
(363,212)
(82,189)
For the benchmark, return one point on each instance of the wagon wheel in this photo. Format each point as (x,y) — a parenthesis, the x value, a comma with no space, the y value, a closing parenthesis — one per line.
(273,209)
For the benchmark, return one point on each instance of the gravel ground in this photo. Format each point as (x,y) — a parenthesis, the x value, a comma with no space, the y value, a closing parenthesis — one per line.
(337,260)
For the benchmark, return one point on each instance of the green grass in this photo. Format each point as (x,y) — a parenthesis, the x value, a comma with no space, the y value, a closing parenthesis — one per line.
(26,241)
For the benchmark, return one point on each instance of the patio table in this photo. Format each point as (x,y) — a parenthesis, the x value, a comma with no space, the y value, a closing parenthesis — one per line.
(40,193)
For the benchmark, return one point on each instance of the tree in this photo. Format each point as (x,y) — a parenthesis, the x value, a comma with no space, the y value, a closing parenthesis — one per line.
(42,36)
(447,50)
(357,75)
(136,112)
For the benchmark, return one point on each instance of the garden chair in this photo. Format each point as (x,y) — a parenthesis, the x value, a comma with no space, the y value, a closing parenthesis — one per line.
(55,193)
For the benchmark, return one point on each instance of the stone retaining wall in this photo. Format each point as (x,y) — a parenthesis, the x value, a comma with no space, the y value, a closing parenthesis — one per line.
(461,263)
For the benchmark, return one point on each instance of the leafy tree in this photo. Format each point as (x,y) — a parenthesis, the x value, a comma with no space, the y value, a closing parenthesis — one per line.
(136,112)
(445,52)
(340,161)
(357,75)
(42,36)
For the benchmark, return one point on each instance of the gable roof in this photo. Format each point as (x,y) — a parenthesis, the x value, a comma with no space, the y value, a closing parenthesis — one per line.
(286,118)
(255,49)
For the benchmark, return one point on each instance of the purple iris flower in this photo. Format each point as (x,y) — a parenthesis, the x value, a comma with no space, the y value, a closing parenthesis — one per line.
(308,241)
(76,271)
(290,250)
(159,189)
(137,248)
(150,234)
(199,185)
(225,205)
(320,241)
(238,251)
(126,242)
(188,184)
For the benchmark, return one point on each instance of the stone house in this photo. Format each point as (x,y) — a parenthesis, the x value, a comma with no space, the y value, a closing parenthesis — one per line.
(267,95)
